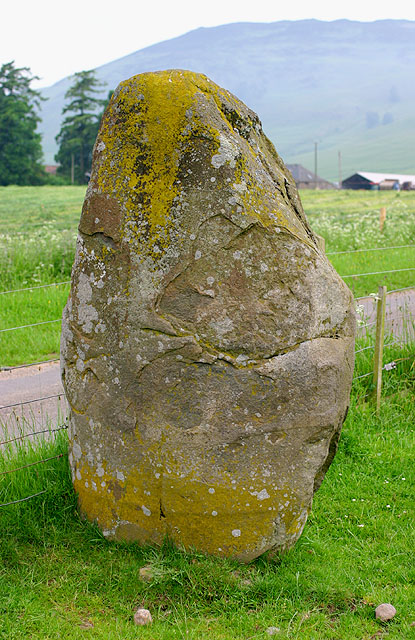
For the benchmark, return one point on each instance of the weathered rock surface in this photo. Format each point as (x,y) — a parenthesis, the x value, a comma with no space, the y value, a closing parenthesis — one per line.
(207,344)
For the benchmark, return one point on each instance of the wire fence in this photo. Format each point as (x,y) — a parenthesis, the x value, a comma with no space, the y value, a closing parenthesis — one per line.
(9,441)
(366,324)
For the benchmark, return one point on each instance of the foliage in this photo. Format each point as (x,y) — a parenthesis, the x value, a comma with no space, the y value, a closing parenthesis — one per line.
(20,144)
(80,127)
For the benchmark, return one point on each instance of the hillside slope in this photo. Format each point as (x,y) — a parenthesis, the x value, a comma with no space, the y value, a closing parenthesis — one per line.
(346,85)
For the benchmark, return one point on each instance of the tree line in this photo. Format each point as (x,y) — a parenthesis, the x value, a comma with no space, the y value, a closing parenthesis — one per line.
(21,156)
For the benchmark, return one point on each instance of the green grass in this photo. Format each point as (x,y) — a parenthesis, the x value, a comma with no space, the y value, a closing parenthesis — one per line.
(60,579)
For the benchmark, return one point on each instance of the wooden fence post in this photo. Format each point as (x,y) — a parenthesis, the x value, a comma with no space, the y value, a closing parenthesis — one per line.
(380,337)
(382,218)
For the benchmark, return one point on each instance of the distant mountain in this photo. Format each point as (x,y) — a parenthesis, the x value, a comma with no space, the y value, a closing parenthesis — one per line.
(346,85)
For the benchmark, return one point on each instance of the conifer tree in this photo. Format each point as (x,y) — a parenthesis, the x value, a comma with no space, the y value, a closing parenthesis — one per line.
(79,129)
(20,144)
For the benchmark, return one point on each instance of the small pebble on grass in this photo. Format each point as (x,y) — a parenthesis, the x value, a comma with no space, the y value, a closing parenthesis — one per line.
(385,612)
(142,617)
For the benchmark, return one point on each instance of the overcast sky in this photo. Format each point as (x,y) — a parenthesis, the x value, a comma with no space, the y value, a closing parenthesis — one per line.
(56,39)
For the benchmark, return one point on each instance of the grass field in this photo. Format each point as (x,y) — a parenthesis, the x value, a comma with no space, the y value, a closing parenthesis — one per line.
(60,579)
(37,241)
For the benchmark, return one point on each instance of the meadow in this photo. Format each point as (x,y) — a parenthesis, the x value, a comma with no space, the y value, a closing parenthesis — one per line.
(59,578)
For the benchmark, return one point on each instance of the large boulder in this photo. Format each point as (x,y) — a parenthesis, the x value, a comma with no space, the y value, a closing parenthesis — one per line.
(207,343)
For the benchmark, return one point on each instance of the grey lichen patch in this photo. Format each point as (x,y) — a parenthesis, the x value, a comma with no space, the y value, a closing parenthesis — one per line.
(207,345)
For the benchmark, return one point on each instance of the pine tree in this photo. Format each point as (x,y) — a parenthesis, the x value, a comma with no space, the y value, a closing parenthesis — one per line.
(80,127)
(20,144)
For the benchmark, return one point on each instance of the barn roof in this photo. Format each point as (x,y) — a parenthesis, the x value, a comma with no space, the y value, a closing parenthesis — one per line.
(376,178)
(301,174)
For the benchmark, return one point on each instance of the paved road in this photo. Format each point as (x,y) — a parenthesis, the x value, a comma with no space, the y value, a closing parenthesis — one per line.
(400,314)
(20,387)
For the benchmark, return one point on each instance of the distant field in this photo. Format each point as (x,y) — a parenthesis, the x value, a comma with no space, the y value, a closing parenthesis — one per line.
(37,241)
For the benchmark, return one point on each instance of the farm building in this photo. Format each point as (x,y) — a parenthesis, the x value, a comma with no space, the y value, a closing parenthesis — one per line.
(305,179)
(369,180)
(51,169)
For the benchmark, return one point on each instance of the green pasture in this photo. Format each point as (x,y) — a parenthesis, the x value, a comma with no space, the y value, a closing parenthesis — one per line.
(37,241)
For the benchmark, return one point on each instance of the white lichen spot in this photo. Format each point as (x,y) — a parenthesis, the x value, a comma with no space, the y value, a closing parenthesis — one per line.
(198,255)
(211,490)
(120,476)
(78,475)
(100,472)
(80,365)
(157,475)
(264,267)
(262,495)
(100,146)
(226,153)
(214,513)
(239,187)
(76,450)
(146,511)
(192,236)
(103,484)
(236,533)
(96,220)
(160,346)
(213,179)
(210,280)
(237,255)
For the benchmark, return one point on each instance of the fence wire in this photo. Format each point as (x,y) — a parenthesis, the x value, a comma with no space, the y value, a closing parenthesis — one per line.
(35,324)
(29,364)
(401,246)
(38,286)
(34,433)
(376,273)
(18,404)
(31,464)
(34,495)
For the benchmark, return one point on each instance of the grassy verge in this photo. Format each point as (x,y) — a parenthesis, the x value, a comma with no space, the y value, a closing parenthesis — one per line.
(60,579)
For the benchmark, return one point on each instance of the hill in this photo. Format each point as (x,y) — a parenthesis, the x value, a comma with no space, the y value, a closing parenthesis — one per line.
(344,84)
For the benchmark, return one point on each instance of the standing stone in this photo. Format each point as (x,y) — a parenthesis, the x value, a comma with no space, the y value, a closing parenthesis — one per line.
(207,343)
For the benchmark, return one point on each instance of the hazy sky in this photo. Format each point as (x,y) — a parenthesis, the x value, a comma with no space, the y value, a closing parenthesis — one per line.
(55,39)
